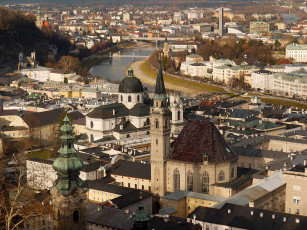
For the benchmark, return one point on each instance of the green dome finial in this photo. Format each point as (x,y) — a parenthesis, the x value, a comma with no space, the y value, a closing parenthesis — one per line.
(67,165)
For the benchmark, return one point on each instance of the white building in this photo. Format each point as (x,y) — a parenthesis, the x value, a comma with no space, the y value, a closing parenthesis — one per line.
(195,14)
(193,69)
(129,117)
(293,84)
(88,92)
(38,73)
(178,17)
(127,17)
(40,172)
(225,73)
(59,75)
(298,52)
(261,79)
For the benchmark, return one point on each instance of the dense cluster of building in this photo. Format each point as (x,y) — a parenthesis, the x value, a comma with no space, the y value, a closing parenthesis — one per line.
(130,159)
(232,157)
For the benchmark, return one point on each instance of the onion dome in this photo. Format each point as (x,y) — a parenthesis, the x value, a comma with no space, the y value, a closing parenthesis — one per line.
(130,84)
(67,165)
(39,13)
(141,218)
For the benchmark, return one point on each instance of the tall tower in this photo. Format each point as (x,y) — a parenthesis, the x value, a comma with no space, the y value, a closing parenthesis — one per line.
(160,117)
(68,192)
(221,21)
(39,19)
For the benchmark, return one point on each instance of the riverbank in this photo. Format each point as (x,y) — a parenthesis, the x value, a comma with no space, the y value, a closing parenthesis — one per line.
(96,58)
(147,75)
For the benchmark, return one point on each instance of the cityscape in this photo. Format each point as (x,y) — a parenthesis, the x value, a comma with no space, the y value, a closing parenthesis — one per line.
(153,115)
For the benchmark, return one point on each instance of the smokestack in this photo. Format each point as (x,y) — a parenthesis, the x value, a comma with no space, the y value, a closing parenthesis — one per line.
(221,21)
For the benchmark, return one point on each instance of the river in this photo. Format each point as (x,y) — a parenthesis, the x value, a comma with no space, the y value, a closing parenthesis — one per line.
(114,68)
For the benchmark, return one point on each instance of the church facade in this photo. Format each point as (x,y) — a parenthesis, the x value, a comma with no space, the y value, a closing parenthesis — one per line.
(129,117)
(196,161)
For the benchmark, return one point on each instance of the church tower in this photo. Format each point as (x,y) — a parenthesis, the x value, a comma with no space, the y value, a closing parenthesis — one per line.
(39,19)
(68,193)
(160,117)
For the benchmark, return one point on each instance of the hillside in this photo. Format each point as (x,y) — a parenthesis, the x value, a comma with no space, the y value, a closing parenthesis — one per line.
(18,33)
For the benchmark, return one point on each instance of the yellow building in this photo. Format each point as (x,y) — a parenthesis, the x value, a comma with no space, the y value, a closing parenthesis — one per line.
(296,190)
(39,128)
(71,91)
(259,27)
(182,203)
(120,197)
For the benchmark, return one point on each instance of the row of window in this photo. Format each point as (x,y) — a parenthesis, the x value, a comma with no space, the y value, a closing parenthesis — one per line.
(129,98)
(204,179)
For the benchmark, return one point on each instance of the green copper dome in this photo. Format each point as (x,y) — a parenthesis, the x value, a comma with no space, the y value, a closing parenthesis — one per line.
(141,215)
(130,84)
(67,165)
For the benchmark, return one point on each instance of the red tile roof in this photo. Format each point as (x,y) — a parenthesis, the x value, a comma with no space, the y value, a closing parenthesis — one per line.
(198,139)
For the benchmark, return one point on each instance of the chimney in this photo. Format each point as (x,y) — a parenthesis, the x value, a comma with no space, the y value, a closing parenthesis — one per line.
(229,211)
(194,219)
(261,214)
(252,213)
(273,216)
(284,219)
(33,55)
(166,216)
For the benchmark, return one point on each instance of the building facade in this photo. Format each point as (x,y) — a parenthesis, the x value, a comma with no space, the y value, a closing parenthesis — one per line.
(198,159)
(297,52)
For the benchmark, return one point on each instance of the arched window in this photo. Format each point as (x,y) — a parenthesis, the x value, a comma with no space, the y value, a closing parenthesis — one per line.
(221,176)
(121,98)
(157,123)
(76,216)
(176,180)
(232,173)
(189,181)
(147,121)
(129,98)
(165,123)
(178,115)
(205,182)
(138,98)
(92,124)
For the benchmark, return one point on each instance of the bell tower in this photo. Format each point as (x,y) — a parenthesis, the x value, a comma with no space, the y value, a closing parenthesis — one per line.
(160,118)
(68,193)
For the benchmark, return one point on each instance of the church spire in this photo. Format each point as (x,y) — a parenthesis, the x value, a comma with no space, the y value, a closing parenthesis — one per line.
(67,165)
(160,92)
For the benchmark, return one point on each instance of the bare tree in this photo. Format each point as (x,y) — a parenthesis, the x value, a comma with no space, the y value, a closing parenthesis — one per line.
(18,203)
